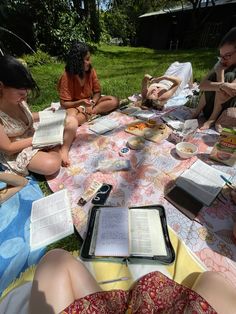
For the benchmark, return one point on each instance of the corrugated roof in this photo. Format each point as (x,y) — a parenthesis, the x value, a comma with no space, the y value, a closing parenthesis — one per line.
(187,7)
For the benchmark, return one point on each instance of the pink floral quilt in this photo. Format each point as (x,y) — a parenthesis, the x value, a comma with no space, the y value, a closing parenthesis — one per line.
(153,170)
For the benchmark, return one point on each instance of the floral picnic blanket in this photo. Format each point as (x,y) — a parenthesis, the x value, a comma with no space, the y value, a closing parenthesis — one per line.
(153,170)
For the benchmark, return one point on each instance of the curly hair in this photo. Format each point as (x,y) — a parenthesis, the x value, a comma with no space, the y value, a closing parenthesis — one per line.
(14,74)
(75,59)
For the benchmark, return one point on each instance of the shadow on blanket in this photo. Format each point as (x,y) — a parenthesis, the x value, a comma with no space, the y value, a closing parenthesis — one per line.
(15,255)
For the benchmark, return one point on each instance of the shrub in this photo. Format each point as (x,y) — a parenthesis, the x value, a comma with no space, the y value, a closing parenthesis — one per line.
(38,58)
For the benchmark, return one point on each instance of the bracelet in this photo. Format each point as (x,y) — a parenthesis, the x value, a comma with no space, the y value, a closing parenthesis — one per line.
(93,103)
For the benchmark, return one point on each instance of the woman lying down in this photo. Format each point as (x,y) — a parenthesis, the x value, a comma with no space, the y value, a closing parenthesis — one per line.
(158,90)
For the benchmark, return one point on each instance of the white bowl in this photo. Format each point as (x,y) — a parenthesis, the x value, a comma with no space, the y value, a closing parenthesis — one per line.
(186,150)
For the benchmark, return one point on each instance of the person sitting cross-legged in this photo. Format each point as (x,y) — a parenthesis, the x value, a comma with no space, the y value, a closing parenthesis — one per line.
(219,86)
(17,125)
(79,88)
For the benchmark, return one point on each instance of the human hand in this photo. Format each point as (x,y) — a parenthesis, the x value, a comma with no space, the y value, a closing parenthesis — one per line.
(89,110)
(219,67)
(147,77)
(85,102)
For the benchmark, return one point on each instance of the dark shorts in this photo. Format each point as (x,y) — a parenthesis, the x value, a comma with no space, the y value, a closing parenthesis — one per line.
(210,96)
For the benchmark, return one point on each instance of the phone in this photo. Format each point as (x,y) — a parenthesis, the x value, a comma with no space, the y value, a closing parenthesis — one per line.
(185,202)
(102,194)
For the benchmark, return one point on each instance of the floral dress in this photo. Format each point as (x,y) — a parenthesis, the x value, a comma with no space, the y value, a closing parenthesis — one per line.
(17,130)
(153,293)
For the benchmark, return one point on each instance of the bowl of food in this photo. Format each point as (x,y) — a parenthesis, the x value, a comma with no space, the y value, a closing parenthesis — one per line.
(186,150)
(136,142)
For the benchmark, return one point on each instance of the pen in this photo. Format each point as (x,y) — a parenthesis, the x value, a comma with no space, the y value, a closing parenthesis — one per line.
(226,180)
(113,280)
(228,183)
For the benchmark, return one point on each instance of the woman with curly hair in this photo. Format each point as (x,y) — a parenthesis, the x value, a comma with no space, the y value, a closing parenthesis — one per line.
(79,87)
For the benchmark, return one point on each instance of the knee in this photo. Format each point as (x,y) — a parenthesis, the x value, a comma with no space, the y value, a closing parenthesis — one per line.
(114,102)
(51,165)
(71,122)
(55,256)
(210,277)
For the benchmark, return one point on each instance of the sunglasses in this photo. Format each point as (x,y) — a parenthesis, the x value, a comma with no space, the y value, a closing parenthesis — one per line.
(228,55)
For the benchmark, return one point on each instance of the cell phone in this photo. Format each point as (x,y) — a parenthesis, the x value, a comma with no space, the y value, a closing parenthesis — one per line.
(185,202)
(102,194)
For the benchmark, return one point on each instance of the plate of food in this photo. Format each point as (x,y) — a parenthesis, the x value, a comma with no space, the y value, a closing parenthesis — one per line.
(150,130)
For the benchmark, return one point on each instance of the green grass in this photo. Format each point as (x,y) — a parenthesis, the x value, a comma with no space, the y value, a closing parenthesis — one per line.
(120,70)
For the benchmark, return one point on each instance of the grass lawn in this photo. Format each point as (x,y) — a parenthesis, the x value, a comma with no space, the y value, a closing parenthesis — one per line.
(120,70)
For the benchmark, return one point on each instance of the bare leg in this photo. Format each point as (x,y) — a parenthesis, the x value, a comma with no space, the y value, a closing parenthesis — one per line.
(59,280)
(14,184)
(106,104)
(45,163)
(217,291)
(201,105)
(69,135)
(81,118)
(215,113)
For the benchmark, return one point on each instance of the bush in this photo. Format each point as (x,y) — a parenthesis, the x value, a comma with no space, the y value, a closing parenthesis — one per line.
(38,58)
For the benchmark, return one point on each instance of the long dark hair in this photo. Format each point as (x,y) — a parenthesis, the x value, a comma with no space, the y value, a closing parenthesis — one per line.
(75,59)
(14,74)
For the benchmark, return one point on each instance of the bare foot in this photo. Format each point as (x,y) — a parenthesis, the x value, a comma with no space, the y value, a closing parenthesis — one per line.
(65,158)
(207,125)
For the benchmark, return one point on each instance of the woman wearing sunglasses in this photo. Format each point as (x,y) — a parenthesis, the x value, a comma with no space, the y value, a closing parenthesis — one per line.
(219,86)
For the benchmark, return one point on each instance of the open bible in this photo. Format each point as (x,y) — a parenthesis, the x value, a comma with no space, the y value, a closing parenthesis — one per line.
(50,220)
(50,129)
(136,233)
(202,181)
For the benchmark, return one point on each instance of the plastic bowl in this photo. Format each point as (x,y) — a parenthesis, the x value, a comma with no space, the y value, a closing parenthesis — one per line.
(186,150)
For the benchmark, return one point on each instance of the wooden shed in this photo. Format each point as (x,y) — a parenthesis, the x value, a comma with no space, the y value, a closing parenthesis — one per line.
(183,27)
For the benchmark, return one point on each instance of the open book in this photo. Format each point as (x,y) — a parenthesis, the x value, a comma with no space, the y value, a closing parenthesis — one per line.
(136,232)
(50,129)
(51,219)
(103,125)
(202,181)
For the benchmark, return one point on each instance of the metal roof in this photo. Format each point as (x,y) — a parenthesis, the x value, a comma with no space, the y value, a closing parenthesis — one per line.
(187,7)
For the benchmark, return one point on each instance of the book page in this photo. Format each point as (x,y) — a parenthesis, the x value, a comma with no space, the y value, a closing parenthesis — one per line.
(51,219)
(103,126)
(51,128)
(146,233)
(50,205)
(113,232)
(202,181)
(50,229)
